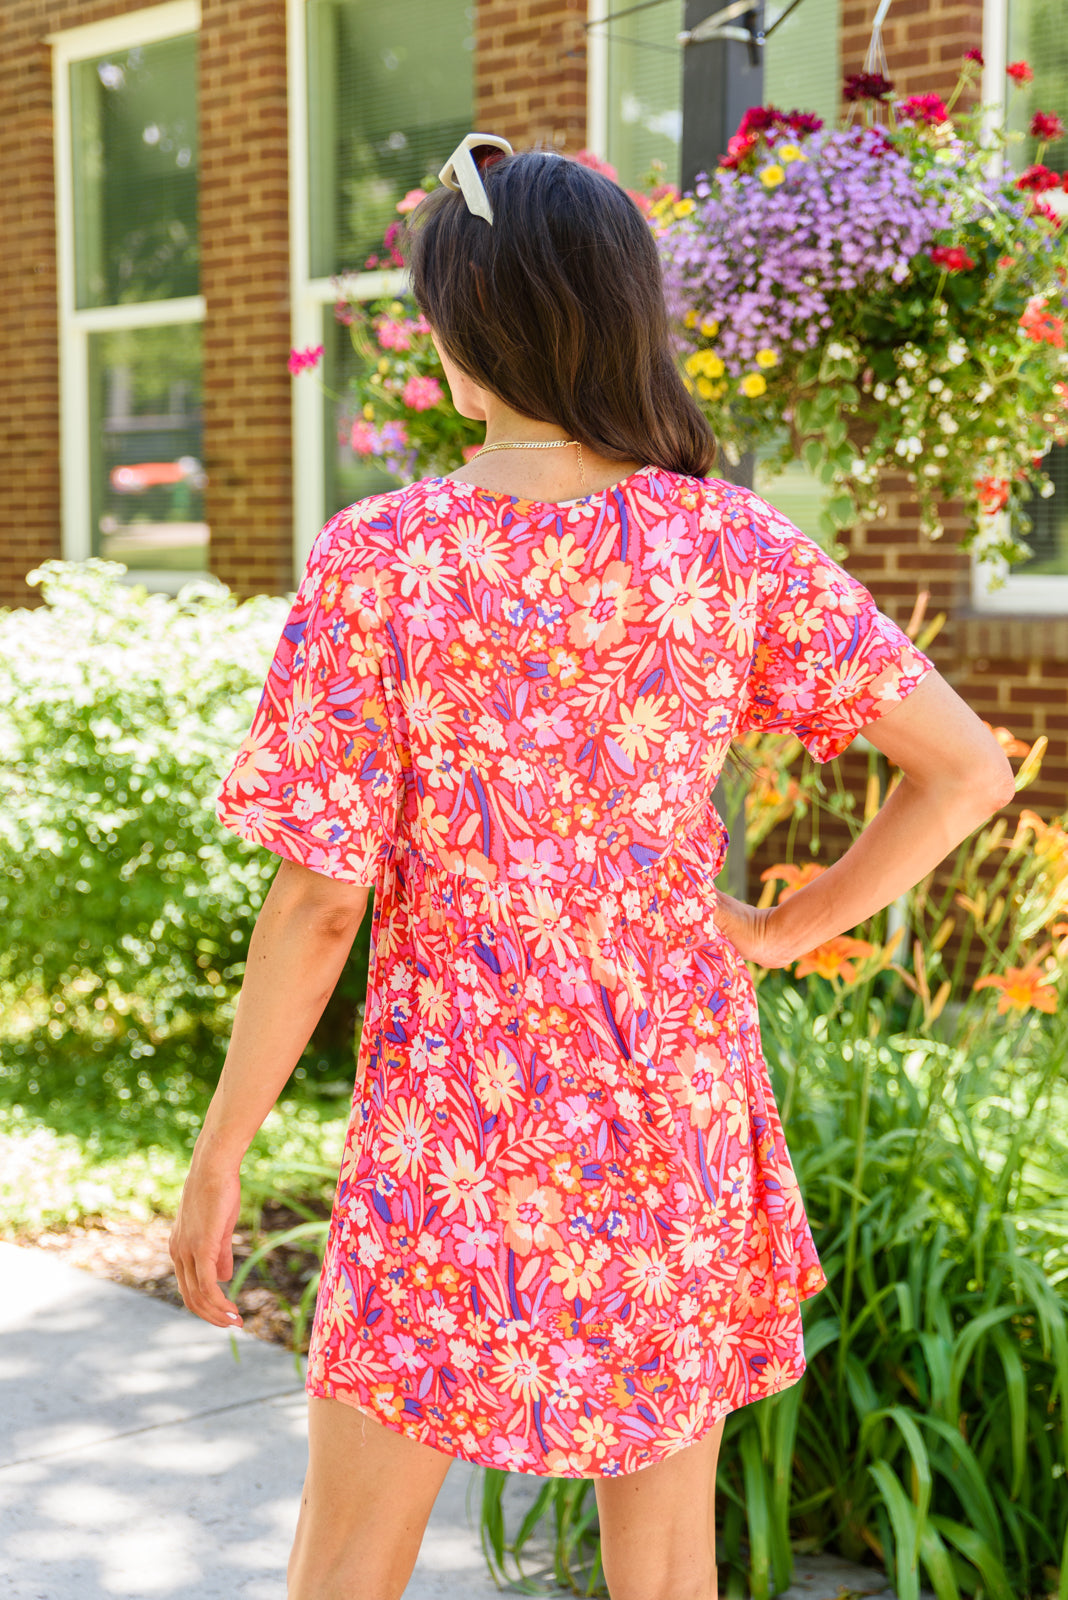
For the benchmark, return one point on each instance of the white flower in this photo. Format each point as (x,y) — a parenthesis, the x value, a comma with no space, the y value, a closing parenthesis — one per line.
(983,392)
(880,391)
(947,423)
(956,352)
(910,448)
(935,386)
(940,450)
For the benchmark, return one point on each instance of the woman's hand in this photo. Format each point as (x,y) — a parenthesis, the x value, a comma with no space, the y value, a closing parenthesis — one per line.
(751,930)
(201,1242)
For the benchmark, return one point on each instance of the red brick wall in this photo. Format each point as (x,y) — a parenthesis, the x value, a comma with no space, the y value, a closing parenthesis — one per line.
(924,40)
(530,71)
(244,232)
(244,235)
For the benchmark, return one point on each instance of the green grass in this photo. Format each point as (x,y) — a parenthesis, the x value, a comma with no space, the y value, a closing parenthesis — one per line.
(101,1120)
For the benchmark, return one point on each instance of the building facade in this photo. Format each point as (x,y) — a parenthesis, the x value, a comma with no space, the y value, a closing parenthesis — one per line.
(184,182)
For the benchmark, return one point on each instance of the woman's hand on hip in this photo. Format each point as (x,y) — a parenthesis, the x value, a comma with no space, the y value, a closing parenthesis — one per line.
(201,1242)
(750,930)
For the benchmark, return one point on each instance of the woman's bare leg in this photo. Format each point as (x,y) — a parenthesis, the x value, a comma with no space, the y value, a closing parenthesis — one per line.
(658,1528)
(366,1500)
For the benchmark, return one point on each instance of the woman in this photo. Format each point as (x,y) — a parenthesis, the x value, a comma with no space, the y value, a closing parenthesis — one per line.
(567,1237)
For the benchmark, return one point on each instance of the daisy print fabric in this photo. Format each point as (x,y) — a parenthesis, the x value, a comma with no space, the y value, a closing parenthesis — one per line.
(567,1238)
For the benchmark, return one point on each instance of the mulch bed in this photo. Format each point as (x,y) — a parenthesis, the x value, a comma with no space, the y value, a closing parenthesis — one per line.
(135,1253)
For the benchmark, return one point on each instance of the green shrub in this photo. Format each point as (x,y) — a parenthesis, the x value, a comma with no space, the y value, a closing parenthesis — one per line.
(126,908)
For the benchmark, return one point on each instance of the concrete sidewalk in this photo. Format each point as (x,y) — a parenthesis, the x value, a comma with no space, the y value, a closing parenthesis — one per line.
(139,1460)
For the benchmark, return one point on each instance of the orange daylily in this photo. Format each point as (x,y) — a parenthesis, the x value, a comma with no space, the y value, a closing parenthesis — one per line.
(793,877)
(1022,989)
(835,959)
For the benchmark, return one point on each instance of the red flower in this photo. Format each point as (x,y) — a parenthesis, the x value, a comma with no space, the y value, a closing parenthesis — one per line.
(993,494)
(866,86)
(760,119)
(1038,179)
(738,147)
(974,55)
(929,109)
(803,122)
(1042,326)
(1046,125)
(952,257)
(1019,72)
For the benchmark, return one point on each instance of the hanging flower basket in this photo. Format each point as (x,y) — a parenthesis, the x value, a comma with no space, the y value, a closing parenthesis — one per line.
(881,296)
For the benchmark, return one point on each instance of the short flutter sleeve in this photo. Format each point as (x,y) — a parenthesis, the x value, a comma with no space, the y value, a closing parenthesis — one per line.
(826,660)
(319,779)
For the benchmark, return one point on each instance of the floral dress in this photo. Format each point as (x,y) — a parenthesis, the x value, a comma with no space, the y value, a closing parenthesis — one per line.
(567,1237)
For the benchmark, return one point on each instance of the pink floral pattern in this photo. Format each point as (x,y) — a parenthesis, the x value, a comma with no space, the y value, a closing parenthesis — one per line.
(567,1236)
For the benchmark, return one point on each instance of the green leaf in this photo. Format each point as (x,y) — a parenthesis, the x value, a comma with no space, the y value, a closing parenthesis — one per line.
(902,1514)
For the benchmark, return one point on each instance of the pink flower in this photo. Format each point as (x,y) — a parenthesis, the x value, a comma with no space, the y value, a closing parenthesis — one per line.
(422,394)
(1046,125)
(1019,72)
(304,360)
(393,335)
(952,257)
(930,109)
(586,158)
(1039,208)
(344,313)
(974,55)
(364,439)
(410,201)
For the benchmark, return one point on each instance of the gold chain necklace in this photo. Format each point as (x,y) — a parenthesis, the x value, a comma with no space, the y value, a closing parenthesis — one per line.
(537,444)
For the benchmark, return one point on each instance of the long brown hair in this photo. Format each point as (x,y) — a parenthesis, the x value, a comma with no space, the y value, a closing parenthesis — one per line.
(558,308)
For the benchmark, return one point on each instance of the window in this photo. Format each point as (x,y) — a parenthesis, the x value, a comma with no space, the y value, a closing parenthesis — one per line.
(636,77)
(1032,31)
(379,98)
(130,309)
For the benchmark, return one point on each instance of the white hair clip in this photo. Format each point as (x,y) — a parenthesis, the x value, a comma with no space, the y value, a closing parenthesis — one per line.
(462,171)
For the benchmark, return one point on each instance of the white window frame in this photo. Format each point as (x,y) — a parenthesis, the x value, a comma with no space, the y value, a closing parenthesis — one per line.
(155,23)
(1019,594)
(308,297)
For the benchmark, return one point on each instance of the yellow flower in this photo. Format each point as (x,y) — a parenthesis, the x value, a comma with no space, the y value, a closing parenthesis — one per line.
(753,385)
(771,176)
(709,328)
(383,366)
(791,152)
(690,319)
(767,358)
(396,309)
(705,364)
(710,391)
(683,208)
(369,412)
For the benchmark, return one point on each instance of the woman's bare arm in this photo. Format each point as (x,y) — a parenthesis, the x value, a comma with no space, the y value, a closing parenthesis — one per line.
(954,776)
(299,945)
